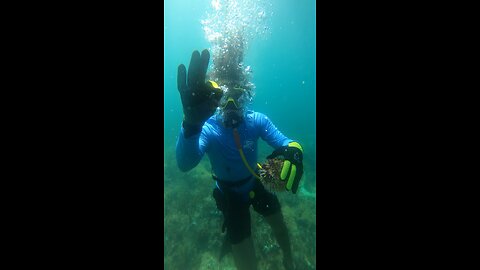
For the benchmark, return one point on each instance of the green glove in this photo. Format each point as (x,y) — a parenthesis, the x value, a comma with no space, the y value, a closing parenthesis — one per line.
(199,98)
(292,169)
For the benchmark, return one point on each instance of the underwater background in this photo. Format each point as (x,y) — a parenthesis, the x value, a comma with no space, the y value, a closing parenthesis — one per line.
(282,55)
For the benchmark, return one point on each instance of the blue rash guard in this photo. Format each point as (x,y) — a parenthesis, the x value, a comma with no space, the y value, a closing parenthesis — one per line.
(219,144)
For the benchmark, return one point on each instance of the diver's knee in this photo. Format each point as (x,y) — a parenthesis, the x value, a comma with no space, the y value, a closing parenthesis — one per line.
(238,237)
(277,222)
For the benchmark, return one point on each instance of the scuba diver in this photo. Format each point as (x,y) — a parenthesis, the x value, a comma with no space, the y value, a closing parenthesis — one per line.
(217,122)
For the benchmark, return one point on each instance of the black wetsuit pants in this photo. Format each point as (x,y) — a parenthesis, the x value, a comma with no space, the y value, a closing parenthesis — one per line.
(236,209)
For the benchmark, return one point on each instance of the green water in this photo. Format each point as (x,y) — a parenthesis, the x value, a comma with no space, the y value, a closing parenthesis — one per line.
(283,64)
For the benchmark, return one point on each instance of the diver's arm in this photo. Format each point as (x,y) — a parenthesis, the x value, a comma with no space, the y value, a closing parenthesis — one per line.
(190,150)
(269,132)
(292,152)
(199,101)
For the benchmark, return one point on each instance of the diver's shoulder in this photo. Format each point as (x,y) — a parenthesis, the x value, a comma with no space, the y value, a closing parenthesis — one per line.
(258,115)
(211,122)
(258,119)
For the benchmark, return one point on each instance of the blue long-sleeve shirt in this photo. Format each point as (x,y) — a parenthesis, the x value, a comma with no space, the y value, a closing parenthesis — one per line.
(218,142)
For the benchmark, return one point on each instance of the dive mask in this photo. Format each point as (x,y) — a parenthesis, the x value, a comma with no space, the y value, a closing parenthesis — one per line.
(232,106)
(236,95)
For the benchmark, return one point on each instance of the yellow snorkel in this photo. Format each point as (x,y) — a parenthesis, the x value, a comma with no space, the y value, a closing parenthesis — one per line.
(239,147)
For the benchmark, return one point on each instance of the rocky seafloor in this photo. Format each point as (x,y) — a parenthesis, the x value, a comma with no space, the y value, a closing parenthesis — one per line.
(192,232)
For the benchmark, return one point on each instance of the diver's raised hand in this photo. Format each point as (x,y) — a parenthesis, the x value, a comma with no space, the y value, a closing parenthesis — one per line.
(199,98)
